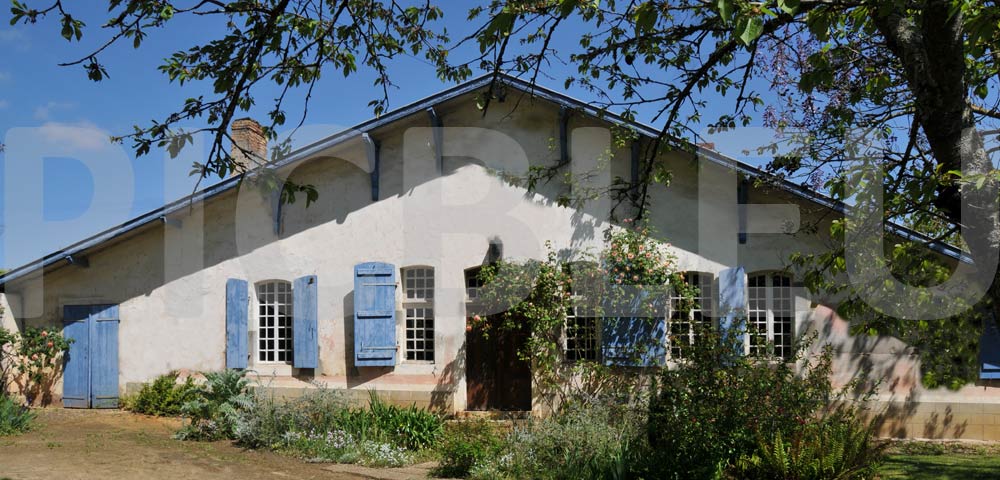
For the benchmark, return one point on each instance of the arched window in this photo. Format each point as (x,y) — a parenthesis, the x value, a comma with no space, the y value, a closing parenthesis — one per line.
(274,321)
(418,305)
(771,314)
(686,324)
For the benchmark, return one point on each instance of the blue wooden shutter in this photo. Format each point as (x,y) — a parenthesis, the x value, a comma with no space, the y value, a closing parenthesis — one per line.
(104,356)
(306,350)
(636,340)
(237,320)
(989,350)
(76,370)
(733,307)
(374,314)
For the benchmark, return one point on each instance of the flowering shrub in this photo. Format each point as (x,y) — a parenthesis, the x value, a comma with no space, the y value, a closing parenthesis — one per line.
(31,360)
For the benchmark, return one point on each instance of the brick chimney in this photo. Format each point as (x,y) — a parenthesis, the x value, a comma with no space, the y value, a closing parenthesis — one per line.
(707,145)
(248,135)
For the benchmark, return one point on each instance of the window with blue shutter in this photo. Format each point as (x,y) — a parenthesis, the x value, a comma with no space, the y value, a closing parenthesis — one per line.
(733,307)
(304,324)
(638,340)
(989,350)
(237,322)
(374,314)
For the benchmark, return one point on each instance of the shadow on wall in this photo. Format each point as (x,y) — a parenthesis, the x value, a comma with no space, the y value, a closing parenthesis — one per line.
(902,407)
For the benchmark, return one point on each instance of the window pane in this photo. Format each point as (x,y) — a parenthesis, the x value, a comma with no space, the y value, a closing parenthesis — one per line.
(757,318)
(274,321)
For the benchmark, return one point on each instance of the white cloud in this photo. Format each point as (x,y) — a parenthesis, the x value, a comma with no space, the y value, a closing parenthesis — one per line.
(14,38)
(44,112)
(83,135)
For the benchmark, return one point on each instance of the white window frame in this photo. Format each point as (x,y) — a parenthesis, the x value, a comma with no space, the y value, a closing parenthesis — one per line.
(256,327)
(572,313)
(704,304)
(770,311)
(419,298)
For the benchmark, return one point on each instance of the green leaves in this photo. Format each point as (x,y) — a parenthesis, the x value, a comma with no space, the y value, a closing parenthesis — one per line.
(726,10)
(645,18)
(789,6)
(748,28)
(71,28)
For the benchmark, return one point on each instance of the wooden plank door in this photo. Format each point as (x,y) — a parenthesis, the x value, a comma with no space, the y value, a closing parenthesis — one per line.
(495,377)
(104,356)
(76,370)
(90,373)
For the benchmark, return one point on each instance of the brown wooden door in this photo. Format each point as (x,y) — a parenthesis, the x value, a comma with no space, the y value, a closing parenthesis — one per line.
(496,379)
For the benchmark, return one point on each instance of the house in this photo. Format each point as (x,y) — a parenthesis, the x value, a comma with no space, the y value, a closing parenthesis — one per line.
(370,286)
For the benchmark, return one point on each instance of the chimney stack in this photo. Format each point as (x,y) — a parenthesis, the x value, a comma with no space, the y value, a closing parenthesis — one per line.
(248,135)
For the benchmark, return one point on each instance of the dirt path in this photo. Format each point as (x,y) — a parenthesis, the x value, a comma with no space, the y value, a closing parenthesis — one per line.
(101,444)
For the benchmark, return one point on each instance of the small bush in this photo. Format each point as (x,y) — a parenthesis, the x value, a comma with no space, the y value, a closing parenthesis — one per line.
(14,417)
(215,407)
(163,397)
(838,447)
(465,445)
(317,426)
(413,427)
(593,440)
(719,413)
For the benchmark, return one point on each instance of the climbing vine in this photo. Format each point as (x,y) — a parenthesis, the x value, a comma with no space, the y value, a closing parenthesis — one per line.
(631,278)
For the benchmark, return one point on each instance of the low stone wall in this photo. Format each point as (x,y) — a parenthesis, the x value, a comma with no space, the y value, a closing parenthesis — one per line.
(434,400)
(938,420)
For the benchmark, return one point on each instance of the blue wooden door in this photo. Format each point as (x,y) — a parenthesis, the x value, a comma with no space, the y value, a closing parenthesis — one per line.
(76,372)
(90,378)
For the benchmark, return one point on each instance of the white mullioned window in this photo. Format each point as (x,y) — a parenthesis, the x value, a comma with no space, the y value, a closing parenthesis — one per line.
(418,304)
(685,325)
(771,314)
(274,321)
(581,334)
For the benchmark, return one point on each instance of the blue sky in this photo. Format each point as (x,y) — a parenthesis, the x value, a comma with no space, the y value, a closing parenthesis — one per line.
(69,112)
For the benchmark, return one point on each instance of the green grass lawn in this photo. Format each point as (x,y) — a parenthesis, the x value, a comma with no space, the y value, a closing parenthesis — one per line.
(942,467)
(942,461)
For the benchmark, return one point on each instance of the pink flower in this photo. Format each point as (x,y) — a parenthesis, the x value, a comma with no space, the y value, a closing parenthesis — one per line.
(44,333)
(476,318)
(34,356)
(635,277)
(50,344)
(631,256)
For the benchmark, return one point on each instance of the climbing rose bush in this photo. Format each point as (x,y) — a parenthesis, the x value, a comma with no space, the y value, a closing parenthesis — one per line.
(536,296)
(33,360)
